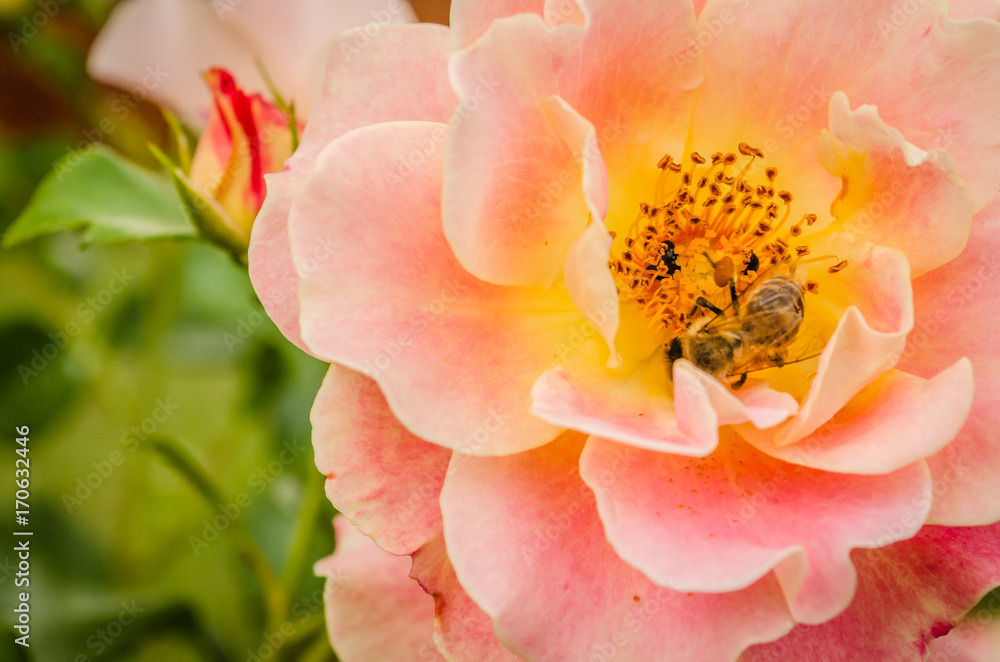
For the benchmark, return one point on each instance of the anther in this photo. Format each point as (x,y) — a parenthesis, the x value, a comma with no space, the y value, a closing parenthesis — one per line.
(840,266)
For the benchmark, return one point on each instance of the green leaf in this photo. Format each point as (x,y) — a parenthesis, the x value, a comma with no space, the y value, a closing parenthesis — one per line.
(113,199)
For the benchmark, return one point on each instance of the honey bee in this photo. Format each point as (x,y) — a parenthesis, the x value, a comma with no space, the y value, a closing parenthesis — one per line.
(758,337)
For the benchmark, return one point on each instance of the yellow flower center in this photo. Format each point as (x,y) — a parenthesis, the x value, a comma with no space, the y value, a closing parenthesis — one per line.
(715,229)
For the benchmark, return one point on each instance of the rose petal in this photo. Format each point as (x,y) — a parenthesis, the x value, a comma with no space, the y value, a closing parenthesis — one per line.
(969,9)
(137,50)
(554,587)
(894,421)
(513,201)
(401,74)
(642,410)
(462,630)
(591,287)
(381,477)
(956,309)
(374,611)
(894,193)
(721,523)
(871,332)
(471,18)
(396,305)
(294,40)
(874,52)
(588,278)
(975,639)
(908,593)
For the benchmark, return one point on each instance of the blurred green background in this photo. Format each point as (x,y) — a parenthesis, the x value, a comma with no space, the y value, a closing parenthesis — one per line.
(132,557)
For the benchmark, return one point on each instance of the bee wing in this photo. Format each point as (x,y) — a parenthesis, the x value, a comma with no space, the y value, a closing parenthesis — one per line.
(751,325)
(786,348)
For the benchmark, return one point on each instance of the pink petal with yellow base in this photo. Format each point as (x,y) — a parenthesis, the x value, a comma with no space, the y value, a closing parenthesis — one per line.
(513,198)
(556,590)
(873,51)
(720,523)
(894,193)
(872,298)
(894,421)
(643,409)
(588,280)
(401,74)
(397,305)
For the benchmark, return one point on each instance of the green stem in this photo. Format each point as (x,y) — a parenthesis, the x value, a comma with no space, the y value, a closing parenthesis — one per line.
(181,460)
(305,528)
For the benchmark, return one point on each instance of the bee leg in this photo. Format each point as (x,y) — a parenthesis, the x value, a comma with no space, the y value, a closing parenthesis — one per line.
(740,382)
(705,303)
(736,299)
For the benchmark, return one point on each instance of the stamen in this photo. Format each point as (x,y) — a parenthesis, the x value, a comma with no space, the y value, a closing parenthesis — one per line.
(707,231)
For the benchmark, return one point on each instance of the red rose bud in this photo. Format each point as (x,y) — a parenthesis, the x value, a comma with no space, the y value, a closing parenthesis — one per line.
(246,138)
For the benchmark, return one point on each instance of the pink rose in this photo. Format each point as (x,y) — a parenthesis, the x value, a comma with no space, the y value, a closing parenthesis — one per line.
(511,239)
